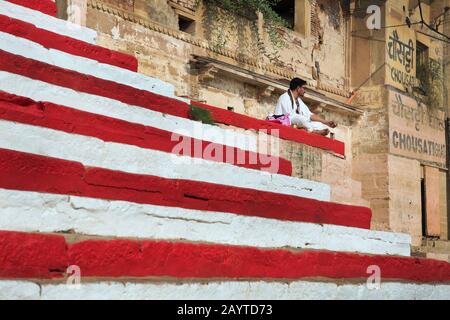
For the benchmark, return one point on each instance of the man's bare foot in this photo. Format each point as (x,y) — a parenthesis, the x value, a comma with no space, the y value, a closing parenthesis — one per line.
(323,132)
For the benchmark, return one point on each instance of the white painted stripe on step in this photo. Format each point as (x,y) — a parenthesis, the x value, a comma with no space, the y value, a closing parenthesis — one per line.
(19,290)
(47,22)
(127,158)
(223,290)
(33,50)
(25,211)
(42,91)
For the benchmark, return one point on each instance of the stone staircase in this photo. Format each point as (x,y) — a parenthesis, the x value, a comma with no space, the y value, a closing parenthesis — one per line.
(95,187)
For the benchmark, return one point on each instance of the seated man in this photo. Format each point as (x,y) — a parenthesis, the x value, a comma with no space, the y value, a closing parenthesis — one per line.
(300,114)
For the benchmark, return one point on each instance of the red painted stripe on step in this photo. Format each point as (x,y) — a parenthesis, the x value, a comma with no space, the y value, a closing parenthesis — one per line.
(124,258)
(43,114)
(27,172)
(91,85)
(88,84)
(287,133)
(32,256)
(69,45)
(44,6)
(24,255)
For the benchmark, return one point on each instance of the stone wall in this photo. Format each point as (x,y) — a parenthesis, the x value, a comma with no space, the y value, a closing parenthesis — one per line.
(405,208)
(392,176)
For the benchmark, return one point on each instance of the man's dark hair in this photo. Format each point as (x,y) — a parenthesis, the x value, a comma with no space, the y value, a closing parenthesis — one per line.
(297,82)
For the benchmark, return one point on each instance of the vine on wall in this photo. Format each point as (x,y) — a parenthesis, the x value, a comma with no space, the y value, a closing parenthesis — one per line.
(224,19)
(432,84)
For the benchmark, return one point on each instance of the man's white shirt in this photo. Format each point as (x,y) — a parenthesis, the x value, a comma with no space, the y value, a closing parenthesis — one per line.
(303,118)
(284,106)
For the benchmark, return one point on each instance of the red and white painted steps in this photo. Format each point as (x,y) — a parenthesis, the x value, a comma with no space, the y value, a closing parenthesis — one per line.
(26,40)
(51,182)
(15,65)
(43,91)
(221,116)
(47,22)
(130,269)
(44,212)
(50,130)
(43,114)
(42,43)
(71,78)
(38,173)
(62,143)
(58,95)
(42,256)
(19,64)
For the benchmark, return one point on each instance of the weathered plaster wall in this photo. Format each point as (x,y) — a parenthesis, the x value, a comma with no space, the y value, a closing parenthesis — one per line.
(371,133)
(372,171)
(405,209)
(159,55)
(329,51)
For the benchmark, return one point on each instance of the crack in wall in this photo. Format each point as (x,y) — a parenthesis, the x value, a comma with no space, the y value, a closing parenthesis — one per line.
(186,219)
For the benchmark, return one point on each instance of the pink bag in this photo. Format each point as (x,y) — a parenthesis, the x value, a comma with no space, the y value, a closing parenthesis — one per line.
(284,119)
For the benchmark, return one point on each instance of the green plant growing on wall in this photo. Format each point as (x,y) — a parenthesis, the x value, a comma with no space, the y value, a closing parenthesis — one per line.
(221,14)
(431,76)
(201,115)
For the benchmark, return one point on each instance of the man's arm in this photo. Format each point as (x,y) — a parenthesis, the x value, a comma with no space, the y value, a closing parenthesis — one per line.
(317,118)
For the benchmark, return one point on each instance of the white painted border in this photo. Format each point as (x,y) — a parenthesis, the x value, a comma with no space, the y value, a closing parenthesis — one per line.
(232,290)
(49,23)
(94,152)
(42,91)
(34,51)
(38,212)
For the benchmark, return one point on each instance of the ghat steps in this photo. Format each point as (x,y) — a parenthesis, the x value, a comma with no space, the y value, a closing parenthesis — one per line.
(89,178)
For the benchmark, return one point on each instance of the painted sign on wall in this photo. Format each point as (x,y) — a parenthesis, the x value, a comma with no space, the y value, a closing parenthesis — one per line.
(416,131)
(401,58)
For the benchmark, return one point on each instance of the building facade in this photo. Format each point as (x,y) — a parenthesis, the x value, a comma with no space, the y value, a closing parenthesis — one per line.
(400,149)
(386,87)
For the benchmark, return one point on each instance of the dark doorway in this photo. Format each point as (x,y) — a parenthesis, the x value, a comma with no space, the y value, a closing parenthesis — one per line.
(424,207)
